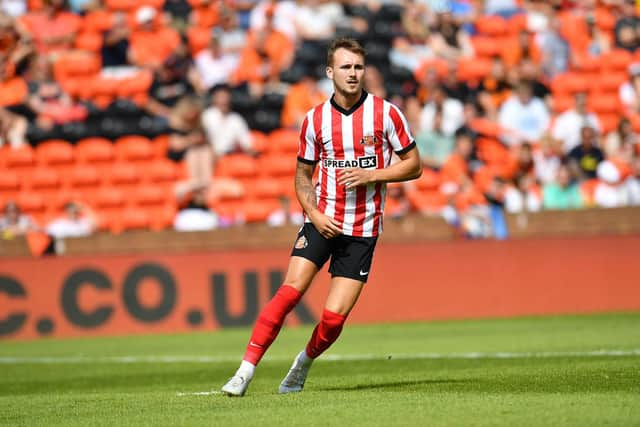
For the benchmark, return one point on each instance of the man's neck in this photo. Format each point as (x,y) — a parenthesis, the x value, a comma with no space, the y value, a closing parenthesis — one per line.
(346,101)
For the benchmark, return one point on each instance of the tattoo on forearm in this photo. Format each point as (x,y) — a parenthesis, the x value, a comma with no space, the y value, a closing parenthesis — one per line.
(304,186)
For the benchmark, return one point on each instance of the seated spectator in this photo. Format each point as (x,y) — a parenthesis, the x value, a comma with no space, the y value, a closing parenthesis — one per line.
(171,82)
(567,125)
(448,39)
(504,8)
(47,100)
(523,116)
(317,21)
(279,15)
(231,36)
(188,143)
(456,168)
(530,72)
(411,47)
(13,222)
(196,215)
(53,28)
(547,159)
(633,183)
(494,89)
(266,54)
(300,98)
(611,190)
(213,65)
(563,193)
(629,91)
(524,196)
(456,88)
(627,28)
(585,158)
(554,48)
(227,131)
(452,112)
(13,129)
(151,42)
(433,145)
(599,40)
(621,139)
(78,221)
(115,52)
(523,47)
(178,13)
(14,8)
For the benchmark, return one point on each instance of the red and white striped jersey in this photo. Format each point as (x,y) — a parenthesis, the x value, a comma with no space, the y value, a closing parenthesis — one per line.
(364,137)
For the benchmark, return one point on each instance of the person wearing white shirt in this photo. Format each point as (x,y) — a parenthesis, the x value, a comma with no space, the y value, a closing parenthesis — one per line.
(227,131)
(567,125)
(452,113)
(524,117)
(213,65)
(73,223)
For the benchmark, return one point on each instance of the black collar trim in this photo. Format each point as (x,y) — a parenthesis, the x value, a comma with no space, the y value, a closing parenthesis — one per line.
(353,108)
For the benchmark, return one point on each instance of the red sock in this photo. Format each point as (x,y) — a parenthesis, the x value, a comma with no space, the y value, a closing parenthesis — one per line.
(325,333)
(270,321)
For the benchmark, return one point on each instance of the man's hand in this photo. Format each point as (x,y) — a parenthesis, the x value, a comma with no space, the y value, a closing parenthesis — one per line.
(326,226)
(353,177)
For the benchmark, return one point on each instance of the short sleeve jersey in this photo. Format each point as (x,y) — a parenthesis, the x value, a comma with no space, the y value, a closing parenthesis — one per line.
(364,136)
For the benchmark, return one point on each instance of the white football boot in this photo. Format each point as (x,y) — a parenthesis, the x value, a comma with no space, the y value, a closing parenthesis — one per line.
(294,381)
(236,386)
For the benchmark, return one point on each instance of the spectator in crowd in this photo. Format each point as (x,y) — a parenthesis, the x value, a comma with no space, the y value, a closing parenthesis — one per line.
(317,21)
(529,72)
(78,221)
(504,8)
(213,65)
(80,7)
(267,53)
(633,182)
(231,36)
(563,193)
(227,131)
(280,15)
(13,222)
(619,138)
(494,89)
(13,129)
(456,88)
(54,28)
(567,125)
(174,80)
(300,98)
(627,28)
(115,52)
(178,13)
(524,196)
(522,48)
(188,143)
(196,215)
(554,48)
(585,158)
(451,108)
(448,39)
(411,48)
(629,91)
(599,40)
(47,100)
(456,168)
(433,145)
(547,159)
(14,8)
(611,191)
(152,42)
(523,116)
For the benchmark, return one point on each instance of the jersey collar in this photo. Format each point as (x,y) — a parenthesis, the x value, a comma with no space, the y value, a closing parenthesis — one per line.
(353,108)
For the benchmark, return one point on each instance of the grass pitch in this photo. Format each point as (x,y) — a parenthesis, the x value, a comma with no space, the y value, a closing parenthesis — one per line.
(559,371)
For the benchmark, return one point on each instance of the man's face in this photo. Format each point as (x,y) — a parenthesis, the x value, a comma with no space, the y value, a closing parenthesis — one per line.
(347,72)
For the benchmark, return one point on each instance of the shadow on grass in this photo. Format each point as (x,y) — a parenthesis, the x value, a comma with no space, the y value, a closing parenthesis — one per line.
(393,384)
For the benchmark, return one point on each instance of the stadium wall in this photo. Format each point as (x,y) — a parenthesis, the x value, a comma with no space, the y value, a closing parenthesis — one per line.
(77,296)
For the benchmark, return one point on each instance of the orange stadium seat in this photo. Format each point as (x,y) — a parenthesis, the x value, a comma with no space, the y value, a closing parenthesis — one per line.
(283,141)
(89,41)
(608,122)
(277,165)
(160,146)
(136,85)
(427,201)
(44,178)
(9,181)
(604,103)
(440,65)
(124,174)
(132,219)
(485,46)
(13,91)
(151,195)
(198,39)
(430,180)
(134,148)
(609,81)
(82,177)
(31,202)
(473,68)
(237,166)
(259,210)
(571,82)
(605,19)
(76,64)
(259,141)
(491,25)
(55,152)
(265,188)
(109,198)
(161,171)
(19,158)
(162,217)
(562,102)
(617,59)
(97,21)
(95,150)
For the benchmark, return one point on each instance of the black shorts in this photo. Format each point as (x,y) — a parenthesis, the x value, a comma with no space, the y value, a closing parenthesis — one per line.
(350,256)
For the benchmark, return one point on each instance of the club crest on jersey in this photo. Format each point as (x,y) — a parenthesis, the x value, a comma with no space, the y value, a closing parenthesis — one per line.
(361,162)
(369,140)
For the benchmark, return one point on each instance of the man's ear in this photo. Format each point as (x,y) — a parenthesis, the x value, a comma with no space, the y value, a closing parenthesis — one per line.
(329,71)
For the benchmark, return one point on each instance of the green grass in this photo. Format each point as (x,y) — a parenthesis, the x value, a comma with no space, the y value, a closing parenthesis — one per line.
(405,390)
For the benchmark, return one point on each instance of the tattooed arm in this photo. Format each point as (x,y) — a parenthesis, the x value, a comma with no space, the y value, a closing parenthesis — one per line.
(306,193)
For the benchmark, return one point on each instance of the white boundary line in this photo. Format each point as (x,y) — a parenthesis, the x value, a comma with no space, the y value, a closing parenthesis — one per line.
(13,360)
(197,393)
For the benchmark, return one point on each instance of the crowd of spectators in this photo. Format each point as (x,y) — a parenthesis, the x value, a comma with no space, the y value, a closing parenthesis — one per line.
(515,105)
